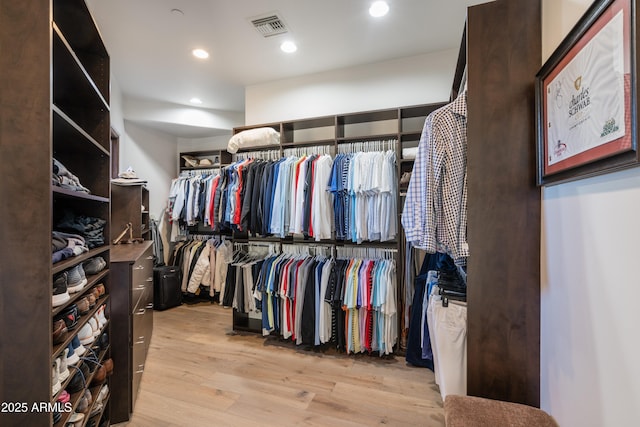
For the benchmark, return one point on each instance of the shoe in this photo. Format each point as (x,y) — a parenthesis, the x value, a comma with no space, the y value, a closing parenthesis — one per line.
(86,334)
(100,376)
(70,317)
(108,365)
(78,381)
(64,397)
(100,315)
(60,291)
(91,297)
(75,420)
(100,289)
(97,408)
(95,326)
(83,305)
(78,348)
(63,371)
(55,368)
(94,265)
(83,405)
(103,341)
(72,357)
(76,279)
(102,395)
(60,331)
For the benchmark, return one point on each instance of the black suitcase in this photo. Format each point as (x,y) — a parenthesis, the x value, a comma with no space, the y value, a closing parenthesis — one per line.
(166,287)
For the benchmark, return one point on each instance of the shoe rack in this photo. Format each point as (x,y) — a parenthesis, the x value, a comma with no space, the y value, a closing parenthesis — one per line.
(81,141)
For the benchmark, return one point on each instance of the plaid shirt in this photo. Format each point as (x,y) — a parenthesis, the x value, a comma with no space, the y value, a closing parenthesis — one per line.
(435,211)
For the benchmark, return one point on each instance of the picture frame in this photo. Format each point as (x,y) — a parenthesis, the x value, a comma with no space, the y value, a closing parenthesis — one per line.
(585,93)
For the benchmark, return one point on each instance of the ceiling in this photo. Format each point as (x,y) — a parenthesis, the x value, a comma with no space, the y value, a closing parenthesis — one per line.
(150,44)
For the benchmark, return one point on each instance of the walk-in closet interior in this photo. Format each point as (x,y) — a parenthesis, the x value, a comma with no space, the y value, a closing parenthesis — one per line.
(272,213)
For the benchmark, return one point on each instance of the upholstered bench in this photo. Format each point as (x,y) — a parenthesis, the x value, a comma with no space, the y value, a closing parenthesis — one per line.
(468,411)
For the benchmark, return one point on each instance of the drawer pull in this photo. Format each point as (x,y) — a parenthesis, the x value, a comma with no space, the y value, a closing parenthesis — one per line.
(141,287)
(150,306)
(149,257)
(149,279)
(140,340)
(140,369)
(141,311)
(140,267)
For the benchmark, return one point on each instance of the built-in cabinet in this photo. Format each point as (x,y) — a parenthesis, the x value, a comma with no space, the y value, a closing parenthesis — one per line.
(130,204)
(206,159)
(403,125)
(80,141)
(54,105)
(132,271)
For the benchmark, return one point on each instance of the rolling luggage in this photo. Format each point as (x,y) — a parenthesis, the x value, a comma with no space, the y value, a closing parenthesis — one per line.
(166,287)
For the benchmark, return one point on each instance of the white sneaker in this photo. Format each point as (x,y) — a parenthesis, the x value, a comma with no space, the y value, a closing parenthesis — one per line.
(63,371)
(95,326)
(55,369)
(86,334)
(102,320)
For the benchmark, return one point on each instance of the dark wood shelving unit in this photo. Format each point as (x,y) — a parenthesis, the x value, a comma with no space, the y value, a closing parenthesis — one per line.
(402,124)
(218,158)
(54,104)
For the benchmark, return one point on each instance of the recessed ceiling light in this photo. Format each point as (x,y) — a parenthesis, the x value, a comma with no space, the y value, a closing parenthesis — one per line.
(378,9)
(288,47)
(200,53)
(195,101)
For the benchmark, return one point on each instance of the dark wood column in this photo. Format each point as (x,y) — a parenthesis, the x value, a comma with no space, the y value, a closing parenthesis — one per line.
(504,54)
(25,206)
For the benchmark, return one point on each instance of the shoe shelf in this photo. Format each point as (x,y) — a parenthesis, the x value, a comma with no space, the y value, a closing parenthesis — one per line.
(70,262)
(92,280)
(95,390)
(82,320)
(72,370)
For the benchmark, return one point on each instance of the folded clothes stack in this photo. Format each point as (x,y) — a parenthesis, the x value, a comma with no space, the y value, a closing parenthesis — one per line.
(61,177)
(90,228)
(66,245)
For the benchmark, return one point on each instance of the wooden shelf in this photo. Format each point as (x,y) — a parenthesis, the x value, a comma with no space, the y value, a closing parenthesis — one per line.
(92,280)
(70,262)
(65,192)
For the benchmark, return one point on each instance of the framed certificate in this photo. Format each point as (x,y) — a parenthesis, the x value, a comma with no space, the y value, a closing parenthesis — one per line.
(586,97)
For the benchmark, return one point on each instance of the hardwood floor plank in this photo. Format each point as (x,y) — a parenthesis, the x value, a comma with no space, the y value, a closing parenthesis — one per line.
(199,373)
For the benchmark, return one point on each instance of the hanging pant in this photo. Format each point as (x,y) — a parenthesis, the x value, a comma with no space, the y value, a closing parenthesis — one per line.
(448,333)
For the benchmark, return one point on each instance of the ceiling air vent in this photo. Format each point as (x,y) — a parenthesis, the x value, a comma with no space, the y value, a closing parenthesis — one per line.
(269,26)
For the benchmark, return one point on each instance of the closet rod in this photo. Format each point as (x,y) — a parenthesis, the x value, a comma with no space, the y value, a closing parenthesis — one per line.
(375,145)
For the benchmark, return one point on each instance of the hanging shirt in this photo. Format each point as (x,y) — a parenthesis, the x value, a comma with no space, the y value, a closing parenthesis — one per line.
(434,215)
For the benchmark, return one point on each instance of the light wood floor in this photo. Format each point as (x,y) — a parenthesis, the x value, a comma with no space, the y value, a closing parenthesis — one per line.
(199,374)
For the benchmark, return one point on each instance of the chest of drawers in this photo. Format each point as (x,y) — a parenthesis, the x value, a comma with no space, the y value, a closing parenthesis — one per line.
(132,317)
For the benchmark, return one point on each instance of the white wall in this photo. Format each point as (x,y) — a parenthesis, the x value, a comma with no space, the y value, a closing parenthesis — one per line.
(408,81)
(194,120)
(590,284)
(202,144)
(152,154)
(116,112)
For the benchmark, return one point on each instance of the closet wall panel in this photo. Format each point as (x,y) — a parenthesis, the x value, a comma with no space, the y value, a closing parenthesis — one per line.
(504,53)
(25,230)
